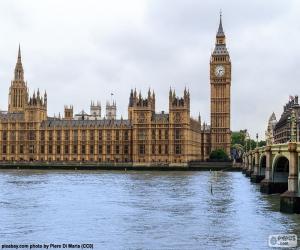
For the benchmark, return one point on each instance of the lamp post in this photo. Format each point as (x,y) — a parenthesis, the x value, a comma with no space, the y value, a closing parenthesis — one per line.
(256,140)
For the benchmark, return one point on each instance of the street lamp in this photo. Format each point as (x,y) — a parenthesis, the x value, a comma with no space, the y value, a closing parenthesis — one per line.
(256,140)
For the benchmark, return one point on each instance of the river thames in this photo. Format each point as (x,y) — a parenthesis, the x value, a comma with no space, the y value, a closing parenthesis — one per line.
(139,210)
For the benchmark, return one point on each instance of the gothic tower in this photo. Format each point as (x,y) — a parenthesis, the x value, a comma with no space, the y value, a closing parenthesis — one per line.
(18,93)
(220,83)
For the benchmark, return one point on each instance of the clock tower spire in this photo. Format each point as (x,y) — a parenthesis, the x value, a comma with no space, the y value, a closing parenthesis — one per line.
(220,84)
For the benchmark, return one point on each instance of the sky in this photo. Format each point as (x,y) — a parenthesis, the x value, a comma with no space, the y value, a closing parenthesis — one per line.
(85,50)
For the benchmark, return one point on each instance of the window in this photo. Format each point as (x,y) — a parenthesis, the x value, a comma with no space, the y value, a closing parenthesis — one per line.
(83,135)
(42,135)
(91,149)
(166,149)
(159,134)
(108,149)
(100,135)
(153,134)
(50,149)
(117,149)
(100,149)
(75,135)
(142,134)
(177,134)
(58,149)
(4,135)
(117,135)
(58,135)
(142,149)
(126,149)
(31,135)
(74,149)
(166,134)
(92,135)
(66,149)
(31,149)
(4,149)
(159,149)
(83,149)
(126,135)
(21,149)
(153,149)
(177,149)
(50,135)
(67,135)
(13,149)
(42,149)
(108,135)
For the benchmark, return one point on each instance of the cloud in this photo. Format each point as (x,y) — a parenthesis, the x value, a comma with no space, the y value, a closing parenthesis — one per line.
(80,51)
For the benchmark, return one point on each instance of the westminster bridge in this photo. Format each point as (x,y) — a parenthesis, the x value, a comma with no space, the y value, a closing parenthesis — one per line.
(276,168)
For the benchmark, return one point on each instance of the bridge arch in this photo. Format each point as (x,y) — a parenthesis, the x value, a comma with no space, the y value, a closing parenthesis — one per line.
(280,169)
(262,165)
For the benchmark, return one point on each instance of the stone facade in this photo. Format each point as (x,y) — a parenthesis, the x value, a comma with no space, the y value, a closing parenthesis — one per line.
(282,129)
(27,133)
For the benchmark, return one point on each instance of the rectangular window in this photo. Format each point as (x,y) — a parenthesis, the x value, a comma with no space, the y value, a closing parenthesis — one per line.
(153,149)
(83,149)
(67,135)
(100,135)
(42,135)
(13,148)
(4,135)
(42,149)
(100,149)
(108,149)
(92,135)
(159,149)
(74,149)
(91,149)
(142,149)
(159,134)
(50,135)
(50,149)
(117,149)
(166,149)
(117,135)
(21,149)
(31,149)
(126,135)
(83,135)
(66,149)
(153,134)
(166,134)
(108,135)
(58,135)
(177,149)
(58,149)
(177,134)
(126,149)
(4,149)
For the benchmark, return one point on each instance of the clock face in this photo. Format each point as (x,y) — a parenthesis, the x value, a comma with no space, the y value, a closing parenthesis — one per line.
(219,70)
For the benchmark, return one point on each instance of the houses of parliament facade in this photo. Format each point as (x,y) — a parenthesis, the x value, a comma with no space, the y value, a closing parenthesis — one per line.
(28,134)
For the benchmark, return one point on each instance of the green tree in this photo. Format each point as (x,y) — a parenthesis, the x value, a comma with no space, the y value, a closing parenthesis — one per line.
(219,155)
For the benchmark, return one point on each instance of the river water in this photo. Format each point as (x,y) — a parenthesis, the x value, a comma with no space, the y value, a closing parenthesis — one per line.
(139,210)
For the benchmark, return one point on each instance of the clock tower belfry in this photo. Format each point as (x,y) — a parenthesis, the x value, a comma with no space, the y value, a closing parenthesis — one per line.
(220,83)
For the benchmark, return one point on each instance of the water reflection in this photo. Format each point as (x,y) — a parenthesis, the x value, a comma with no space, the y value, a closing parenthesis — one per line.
(130,209)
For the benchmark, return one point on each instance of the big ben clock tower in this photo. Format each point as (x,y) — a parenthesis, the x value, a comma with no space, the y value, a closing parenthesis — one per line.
(220,83)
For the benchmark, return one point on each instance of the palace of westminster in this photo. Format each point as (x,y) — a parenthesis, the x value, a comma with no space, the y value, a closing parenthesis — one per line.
(27,133)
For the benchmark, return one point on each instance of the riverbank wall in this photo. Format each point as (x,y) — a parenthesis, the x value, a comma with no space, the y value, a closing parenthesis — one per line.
(193,166)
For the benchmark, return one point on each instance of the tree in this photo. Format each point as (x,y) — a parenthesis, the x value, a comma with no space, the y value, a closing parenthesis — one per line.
(218,155)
